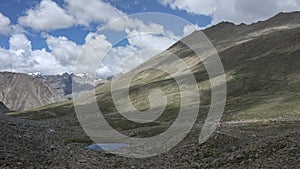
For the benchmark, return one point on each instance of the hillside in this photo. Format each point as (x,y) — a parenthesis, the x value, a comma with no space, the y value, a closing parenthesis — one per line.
(260,124)
(21,92)
(261,63)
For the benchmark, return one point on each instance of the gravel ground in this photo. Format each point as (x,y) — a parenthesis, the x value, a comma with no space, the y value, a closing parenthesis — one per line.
(41,144)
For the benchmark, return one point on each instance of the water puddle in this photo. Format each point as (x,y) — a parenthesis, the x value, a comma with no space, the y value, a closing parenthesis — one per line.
(106,147)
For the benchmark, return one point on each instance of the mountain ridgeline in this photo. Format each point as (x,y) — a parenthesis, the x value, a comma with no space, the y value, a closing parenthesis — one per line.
(67,84)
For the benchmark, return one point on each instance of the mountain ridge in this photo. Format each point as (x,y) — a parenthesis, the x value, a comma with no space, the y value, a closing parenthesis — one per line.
(69,84)
(21,92)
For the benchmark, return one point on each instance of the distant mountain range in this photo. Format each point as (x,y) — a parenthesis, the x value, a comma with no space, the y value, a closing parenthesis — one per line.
(68,83)
(21,92)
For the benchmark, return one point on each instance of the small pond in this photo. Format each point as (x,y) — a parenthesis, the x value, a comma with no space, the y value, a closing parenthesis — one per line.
(106,146)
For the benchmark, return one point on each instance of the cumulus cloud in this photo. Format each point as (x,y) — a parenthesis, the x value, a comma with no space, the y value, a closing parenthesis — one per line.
(46,16)
(127,23)
(145,40)
(204,7)
(118,60)
(20,47)
(237,11)
(62,57)
(150,41)
(65,51)
(20,44)
(121,59)
(188,29)
(47,63)
(20,57)
(4,24)
(97,11)
(6,60)
(94,50)
(63,54)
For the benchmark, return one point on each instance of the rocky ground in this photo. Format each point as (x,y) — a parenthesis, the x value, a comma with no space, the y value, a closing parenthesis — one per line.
(56,143)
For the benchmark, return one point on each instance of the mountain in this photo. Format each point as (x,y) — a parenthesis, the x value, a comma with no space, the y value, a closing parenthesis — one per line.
(3,108)
(260,124)
(21,92)
(261,63)
(67,83)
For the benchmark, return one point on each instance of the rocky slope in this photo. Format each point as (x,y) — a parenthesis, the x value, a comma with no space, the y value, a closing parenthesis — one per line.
(260,125)
(23,92)
(3,108)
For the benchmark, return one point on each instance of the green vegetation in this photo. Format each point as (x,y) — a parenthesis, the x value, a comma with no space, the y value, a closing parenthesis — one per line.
(55,110)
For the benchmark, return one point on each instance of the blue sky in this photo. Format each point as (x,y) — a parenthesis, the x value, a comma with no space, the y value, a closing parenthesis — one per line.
(48,36)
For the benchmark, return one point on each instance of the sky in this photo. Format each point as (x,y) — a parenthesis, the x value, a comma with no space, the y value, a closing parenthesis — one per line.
(49,36)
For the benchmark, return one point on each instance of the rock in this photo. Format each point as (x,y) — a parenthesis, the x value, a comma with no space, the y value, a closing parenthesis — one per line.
(82,161)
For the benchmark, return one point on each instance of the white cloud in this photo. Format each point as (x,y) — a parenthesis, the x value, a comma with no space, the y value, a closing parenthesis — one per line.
(118,60)
(146,40)
(20,47)
(19,44)
(6,59)
(4,24)
(94,49)
(237,11)
(188,29)
(204,7)
(127,23)
(65,51)
(46,16)
(142,46)
(97,11)
(17,29)
(122,59)
(122,24)
(21,58)
(47,63)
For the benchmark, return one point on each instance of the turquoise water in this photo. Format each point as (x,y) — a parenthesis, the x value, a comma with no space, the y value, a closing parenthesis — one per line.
(106,147)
